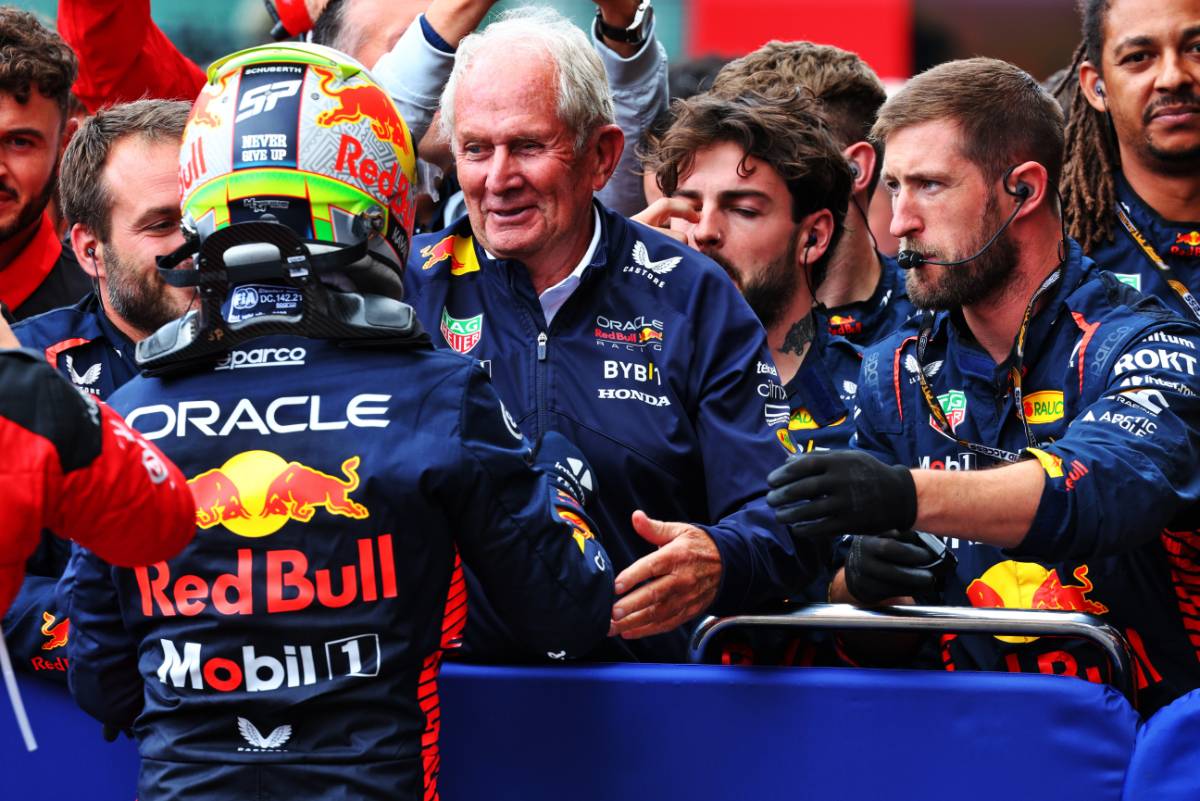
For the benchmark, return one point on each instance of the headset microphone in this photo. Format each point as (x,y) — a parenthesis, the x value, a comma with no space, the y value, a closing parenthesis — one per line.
(911,259)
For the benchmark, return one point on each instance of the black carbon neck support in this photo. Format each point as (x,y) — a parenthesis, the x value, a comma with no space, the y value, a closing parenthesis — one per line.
(271,252)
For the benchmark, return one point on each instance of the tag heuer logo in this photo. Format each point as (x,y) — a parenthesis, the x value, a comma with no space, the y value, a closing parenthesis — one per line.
(954,404)
(462,335)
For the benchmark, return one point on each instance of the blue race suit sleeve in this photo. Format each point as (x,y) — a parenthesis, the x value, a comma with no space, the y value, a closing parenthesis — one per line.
(102,656)
(1127,464)
(531,545)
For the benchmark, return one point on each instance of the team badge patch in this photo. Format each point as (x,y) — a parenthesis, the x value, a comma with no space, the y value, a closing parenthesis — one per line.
(462,334)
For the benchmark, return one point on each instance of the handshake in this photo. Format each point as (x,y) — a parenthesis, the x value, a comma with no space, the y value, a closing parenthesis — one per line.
(836,493)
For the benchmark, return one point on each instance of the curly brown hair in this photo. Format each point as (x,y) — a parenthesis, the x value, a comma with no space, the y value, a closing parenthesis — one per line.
(785,129)
(32,55)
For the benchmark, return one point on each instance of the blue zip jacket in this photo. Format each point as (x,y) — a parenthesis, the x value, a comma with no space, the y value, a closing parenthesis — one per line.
(92,354)
(657,370)
(1177,243)
(304,624)
(1111,394)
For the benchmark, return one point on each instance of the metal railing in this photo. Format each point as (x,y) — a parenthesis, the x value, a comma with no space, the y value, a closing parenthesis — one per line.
(953,619)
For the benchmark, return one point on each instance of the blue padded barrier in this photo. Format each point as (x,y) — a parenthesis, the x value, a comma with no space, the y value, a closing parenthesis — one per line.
(1166,758)
(72,760)
(698,732)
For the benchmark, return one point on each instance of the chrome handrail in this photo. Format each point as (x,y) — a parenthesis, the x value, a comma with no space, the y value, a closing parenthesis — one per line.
(956,619)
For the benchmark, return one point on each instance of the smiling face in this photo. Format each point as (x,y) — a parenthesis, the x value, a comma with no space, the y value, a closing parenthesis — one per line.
(528,193)
(30,141)
(143,181)
(1151,72)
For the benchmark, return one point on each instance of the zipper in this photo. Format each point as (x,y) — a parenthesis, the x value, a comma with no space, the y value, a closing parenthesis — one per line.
(543,340)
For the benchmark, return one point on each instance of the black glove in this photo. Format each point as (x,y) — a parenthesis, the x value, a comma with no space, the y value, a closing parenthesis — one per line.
(889,565)
(110,733)
(841,492)
(566,464)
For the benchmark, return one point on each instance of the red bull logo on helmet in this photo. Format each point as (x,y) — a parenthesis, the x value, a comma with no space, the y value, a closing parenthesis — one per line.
(365,100)
(1027,585)
(256,492)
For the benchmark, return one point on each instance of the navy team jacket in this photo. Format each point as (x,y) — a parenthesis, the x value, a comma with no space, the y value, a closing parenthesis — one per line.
(657,370)
(1176,242)
(1110,392)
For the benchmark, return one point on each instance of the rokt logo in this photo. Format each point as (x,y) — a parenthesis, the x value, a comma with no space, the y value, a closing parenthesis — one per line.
(256,492)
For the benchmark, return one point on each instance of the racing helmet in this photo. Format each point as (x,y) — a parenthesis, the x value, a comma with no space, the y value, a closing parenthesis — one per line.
(297,182)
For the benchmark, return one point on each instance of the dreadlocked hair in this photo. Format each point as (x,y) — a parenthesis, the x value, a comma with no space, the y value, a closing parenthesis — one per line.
(1090,156)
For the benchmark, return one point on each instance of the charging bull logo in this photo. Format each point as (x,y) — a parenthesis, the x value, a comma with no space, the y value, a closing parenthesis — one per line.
(299,489)
(1025,585)
(56,631)
(844,325)
(201,115)
(1191,238)
(458,249)
(364,100)
(256,492)
(650,335)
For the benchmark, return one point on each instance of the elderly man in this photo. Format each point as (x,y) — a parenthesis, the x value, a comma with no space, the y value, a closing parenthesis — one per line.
(1080,394)
(634,346)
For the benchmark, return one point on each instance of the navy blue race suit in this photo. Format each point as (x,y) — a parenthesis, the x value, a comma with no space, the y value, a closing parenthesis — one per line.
(294,646)
(1176,243)
(657,370)
(1110,393)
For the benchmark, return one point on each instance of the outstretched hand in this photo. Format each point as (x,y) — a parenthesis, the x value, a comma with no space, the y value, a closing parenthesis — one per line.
(670,586)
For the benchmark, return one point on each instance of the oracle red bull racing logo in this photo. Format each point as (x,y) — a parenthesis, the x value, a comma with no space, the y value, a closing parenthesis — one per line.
(1026,585)
(256,492)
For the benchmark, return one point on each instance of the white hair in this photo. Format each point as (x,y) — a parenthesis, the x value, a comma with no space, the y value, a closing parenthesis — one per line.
(584,99)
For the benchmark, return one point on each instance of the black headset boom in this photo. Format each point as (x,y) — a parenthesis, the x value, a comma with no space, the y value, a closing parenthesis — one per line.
(911,259)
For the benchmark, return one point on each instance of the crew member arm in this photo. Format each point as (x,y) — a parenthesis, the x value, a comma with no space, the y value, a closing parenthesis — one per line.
(123,55)
(640,93)
(102,655)
(416,69)
(531,545)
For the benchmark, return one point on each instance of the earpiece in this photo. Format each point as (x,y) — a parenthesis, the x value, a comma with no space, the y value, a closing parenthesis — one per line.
(91,252)
(812,239)
(1022,191)
(855,171)
(1100,88)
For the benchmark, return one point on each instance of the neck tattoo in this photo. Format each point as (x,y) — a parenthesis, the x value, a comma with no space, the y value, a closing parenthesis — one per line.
(800,335)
